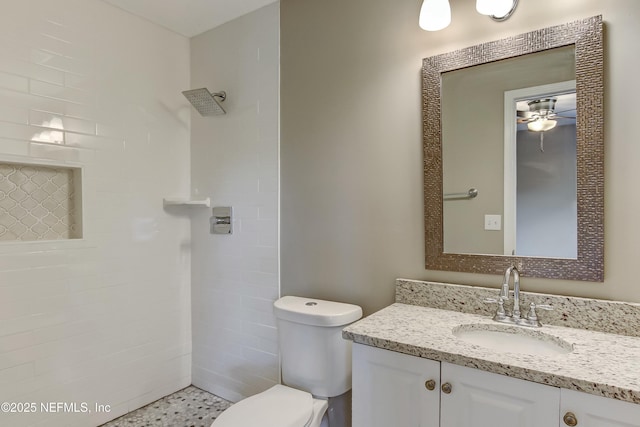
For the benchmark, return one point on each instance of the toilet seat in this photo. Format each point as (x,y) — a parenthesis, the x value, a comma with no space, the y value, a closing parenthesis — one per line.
(280,406)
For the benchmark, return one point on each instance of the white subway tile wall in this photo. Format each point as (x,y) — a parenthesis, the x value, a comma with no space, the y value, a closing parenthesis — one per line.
(104,319)
(234,160)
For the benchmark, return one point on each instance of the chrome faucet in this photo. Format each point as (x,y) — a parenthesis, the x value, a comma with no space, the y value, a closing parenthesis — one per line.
(504,292)
(502,315)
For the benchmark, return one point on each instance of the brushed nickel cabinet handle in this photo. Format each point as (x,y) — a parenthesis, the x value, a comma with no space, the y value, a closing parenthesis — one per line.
(430,385)
(446,388)
(570,419)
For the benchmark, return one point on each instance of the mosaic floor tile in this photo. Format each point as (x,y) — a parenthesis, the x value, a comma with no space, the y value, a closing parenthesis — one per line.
(190,407)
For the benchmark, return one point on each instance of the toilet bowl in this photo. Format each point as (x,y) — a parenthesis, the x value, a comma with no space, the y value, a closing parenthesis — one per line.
(316,366)
(279,406)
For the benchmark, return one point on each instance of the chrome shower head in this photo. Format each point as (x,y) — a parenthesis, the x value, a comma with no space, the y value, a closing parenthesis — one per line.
(205,102)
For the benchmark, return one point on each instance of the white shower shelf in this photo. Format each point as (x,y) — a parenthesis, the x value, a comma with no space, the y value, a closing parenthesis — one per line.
(175,201)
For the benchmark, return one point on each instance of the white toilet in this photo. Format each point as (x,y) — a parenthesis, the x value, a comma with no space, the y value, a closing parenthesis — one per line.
(316,366)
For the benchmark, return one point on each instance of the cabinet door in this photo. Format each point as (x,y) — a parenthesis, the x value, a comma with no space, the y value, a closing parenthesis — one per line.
(482,399)
(597,411)
(390,390)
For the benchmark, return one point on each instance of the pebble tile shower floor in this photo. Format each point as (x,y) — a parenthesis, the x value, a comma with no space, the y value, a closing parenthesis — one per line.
(190,407)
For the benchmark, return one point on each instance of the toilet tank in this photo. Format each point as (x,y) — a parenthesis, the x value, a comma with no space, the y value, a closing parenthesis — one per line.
(314,356)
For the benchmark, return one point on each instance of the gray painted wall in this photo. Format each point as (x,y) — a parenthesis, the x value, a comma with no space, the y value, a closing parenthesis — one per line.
(351,144)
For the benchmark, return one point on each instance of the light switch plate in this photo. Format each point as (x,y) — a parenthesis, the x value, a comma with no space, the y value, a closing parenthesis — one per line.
(493,222)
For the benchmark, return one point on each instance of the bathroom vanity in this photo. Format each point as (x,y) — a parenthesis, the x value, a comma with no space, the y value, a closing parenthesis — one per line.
(418,362)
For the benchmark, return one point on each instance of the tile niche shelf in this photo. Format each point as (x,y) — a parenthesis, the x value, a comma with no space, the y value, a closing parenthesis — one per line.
(40,200)
(178,201)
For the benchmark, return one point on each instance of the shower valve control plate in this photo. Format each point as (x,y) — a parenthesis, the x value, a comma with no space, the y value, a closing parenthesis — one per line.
(220,222)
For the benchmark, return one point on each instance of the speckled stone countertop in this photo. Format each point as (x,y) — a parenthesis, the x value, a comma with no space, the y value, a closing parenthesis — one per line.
(600,363)
(616,317)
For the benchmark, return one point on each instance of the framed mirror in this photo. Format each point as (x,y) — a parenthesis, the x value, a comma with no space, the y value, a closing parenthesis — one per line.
(513,135)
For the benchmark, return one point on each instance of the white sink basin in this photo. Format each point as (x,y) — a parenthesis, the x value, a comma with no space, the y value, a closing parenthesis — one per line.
(512,339)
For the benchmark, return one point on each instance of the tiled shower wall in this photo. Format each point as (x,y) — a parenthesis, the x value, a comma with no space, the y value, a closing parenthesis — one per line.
(235,161)
(103,319)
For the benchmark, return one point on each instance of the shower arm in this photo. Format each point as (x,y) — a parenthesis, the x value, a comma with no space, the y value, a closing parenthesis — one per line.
(222,95)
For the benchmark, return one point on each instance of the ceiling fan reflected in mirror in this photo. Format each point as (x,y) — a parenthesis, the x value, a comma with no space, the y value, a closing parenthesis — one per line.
(542,114)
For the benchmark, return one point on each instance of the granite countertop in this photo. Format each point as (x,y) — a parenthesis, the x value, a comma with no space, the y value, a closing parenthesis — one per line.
(603,364)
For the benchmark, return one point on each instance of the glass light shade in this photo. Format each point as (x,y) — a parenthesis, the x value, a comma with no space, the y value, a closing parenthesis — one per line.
(501,7)
(541,125)
(435,15)
(498,8)
(485,7)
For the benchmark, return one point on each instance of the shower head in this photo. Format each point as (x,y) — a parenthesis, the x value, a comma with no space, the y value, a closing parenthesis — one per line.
(205,102)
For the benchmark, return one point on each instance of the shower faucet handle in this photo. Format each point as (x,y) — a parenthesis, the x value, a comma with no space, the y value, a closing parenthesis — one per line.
(222,220)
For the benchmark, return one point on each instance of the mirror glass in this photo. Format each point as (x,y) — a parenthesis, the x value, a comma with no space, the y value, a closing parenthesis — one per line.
(513,136)
(490,147)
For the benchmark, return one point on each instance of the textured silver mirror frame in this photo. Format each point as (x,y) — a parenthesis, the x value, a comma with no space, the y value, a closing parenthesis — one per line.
(587,36)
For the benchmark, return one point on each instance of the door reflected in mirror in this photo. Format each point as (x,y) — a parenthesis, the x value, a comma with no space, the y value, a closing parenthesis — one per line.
(540,203)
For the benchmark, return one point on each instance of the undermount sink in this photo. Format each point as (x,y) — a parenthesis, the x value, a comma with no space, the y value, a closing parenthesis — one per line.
(512,339)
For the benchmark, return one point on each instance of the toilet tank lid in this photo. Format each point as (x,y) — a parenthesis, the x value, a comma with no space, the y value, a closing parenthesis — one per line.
(316,312)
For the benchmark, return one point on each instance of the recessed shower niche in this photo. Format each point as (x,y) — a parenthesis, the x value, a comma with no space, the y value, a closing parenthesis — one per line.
(40,202)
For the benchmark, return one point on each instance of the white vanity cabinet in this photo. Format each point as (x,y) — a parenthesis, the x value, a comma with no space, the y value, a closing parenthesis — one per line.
(471,397)
(397,390)
(392,389)
(587,410)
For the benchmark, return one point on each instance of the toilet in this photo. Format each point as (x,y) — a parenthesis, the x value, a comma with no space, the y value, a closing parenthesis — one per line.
(316,366)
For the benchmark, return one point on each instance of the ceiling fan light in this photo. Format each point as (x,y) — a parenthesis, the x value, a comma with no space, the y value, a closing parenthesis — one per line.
(543,104)
(435,15)
(541,125)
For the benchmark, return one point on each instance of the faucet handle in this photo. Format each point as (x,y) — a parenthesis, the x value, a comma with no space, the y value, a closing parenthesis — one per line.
(501,314)
(500,301)
(532,316)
